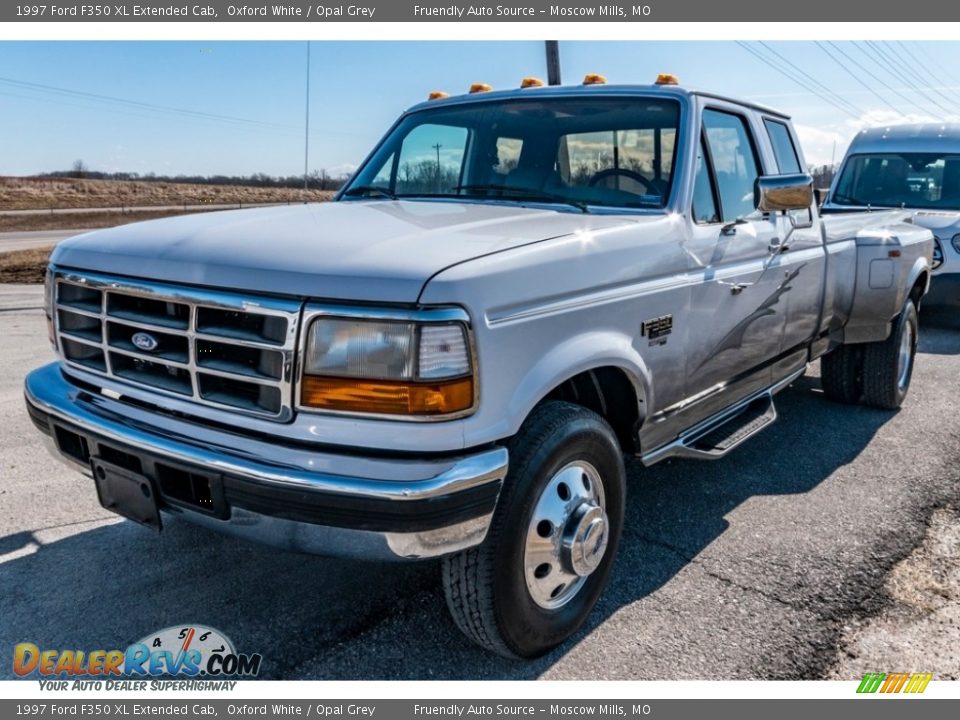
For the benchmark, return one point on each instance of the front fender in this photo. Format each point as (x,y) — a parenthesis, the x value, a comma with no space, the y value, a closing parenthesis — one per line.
(587,351)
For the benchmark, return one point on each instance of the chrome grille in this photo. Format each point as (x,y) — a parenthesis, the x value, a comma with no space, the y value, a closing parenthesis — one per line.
(232,351)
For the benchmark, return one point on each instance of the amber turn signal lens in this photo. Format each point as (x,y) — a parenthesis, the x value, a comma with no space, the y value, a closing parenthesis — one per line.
(594,79)
(387,396)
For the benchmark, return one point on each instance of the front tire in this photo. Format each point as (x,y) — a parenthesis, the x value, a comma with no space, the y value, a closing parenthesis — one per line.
(551,544)
(888,365)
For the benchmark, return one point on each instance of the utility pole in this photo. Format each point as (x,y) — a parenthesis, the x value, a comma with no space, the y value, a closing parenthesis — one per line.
(437,148)
(553,62)
(306,125)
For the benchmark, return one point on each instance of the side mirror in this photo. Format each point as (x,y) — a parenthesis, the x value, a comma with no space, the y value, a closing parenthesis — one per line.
(776,193)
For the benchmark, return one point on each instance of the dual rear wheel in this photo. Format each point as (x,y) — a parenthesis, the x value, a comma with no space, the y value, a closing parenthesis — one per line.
(877,374)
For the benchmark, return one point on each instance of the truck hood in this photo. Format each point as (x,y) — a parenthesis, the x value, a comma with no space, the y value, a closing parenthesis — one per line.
(377,250)
(942,223)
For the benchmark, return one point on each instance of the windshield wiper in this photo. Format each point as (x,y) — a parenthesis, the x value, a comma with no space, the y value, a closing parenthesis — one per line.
(847,200)
(369,190)
(527,193)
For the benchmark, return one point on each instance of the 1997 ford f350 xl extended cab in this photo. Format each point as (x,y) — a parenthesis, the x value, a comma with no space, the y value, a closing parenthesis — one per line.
(515,291)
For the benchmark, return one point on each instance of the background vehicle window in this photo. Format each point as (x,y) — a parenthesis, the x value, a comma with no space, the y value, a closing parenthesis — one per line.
(734,162)
(704,203)
(783,147)
(913,180)
(431,159)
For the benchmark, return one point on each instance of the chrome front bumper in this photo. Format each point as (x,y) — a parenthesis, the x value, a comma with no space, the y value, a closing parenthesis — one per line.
(296,497)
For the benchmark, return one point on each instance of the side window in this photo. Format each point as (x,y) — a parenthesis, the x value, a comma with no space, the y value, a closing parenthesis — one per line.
(735,163)
(783,147)
(431,159)
(704,198)
(385,174)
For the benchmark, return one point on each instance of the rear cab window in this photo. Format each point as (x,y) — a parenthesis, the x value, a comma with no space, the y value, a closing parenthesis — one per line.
(785,152)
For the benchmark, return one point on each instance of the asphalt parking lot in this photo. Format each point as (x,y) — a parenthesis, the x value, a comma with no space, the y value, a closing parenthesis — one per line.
(750,567)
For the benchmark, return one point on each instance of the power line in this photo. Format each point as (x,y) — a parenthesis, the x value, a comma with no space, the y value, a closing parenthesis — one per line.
(925,65)
(835,46)
(52,89)
(933,61)
(895,72)
(801,83)
(910,64)
(813,79)
(896,65)
(855,76)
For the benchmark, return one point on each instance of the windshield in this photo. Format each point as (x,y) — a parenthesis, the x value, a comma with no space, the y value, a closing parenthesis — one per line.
(614,152)
(912,180)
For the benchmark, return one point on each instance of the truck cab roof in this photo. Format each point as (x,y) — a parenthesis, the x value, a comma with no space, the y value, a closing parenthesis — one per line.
(669,91)
(921,137)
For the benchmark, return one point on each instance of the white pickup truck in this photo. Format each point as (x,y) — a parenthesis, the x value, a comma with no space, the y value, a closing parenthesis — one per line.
(515,292)
(912,167)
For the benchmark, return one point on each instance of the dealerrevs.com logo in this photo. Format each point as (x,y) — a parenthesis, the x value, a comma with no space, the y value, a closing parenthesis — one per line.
(190,651)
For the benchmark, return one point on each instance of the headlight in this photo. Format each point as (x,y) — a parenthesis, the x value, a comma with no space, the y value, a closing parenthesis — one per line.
(393,367)
(937,259)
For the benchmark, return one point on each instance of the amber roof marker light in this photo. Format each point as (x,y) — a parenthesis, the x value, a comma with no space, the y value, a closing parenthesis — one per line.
(594,79)
(438,95)
(531,82)
(667,79)
(480,88)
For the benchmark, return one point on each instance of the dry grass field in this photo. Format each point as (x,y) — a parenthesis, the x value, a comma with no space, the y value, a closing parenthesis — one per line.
(85,220)
(24,266)
(18,193)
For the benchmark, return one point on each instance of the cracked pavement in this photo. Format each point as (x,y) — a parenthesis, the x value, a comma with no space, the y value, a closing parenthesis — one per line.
(755,566)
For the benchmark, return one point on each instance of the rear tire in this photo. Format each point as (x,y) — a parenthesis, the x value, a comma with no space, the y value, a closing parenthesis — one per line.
(547,556)
(841,374)
(888,365)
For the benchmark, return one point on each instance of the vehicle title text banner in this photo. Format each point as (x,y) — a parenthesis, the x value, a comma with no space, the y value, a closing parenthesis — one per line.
(92,706)
(523,10)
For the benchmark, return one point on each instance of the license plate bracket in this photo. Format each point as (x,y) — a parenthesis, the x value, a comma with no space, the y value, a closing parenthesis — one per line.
(126,493)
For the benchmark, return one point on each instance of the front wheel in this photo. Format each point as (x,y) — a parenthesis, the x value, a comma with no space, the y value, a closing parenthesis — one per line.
(553,538)
(888,365)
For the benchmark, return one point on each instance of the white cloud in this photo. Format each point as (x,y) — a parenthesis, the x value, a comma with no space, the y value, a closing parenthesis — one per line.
(342,169)
(818,142)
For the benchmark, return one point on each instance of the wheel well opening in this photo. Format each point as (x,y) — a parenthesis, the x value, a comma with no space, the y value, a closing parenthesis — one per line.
(916,292)
(609,393)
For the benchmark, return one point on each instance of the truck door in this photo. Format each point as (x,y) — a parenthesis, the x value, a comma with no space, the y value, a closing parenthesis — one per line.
(802,260)
(737,313)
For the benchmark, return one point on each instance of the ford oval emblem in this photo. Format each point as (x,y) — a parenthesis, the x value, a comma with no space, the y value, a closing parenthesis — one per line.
(144,341)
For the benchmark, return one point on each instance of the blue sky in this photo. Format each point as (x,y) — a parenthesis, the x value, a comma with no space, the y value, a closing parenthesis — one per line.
(238,107)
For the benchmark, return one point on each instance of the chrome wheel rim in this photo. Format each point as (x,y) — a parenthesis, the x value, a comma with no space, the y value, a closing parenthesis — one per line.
(905,356)
(567,536)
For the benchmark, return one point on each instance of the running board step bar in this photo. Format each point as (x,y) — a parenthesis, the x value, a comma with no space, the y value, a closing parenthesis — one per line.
(716,437)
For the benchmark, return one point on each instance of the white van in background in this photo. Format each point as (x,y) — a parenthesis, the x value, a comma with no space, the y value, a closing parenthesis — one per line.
(916,167)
